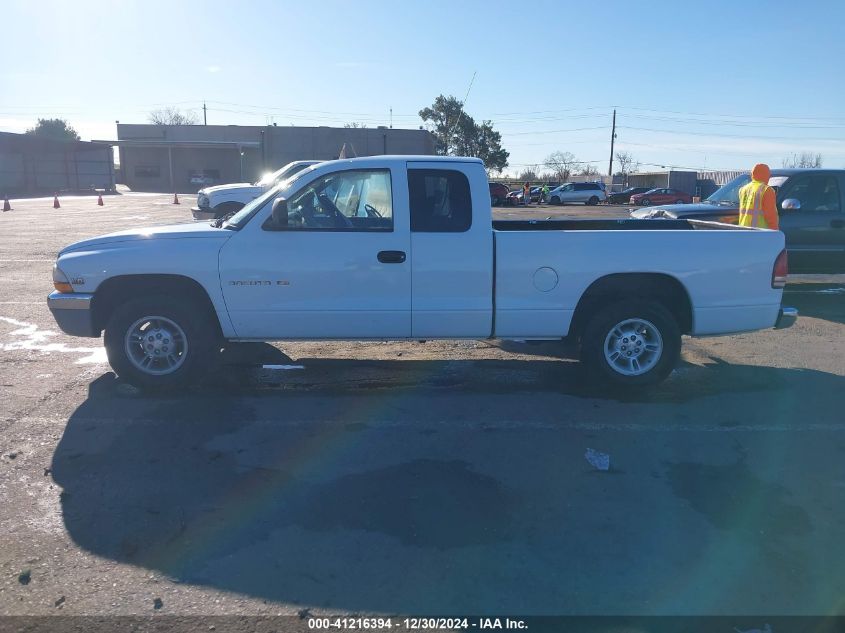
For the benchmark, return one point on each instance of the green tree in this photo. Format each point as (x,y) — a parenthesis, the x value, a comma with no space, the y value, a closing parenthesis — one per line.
(457,134)
(56,129)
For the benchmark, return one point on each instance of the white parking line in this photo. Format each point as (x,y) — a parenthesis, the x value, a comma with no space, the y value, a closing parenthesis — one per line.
(33,338)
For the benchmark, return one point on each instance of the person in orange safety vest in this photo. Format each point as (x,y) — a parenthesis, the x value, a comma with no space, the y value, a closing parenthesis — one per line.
(757,200)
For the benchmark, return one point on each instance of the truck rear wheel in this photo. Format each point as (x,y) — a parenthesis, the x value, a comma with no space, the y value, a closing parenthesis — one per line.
(160,343)
(631,343)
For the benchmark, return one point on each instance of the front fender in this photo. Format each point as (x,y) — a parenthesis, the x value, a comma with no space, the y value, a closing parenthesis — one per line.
(195,259)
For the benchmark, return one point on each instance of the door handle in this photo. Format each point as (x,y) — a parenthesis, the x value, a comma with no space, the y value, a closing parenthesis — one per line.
(391,257)
(837,224)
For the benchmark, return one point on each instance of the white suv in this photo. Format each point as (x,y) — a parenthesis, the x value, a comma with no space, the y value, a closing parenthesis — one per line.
(223,200)
(586,192)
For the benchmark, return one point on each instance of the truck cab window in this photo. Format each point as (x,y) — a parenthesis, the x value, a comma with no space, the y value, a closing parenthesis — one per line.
(359,200)
(440,201)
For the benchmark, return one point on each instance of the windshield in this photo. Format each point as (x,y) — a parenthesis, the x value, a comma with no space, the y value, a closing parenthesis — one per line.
(243,216)
(269,179)
(729,192)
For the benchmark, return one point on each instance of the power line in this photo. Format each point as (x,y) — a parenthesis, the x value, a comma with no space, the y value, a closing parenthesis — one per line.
(727,123)
(742,136)
(576,129)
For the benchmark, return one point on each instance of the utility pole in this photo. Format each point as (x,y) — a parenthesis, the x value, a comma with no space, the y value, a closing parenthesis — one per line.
(204,116)
(612,138)
(391,118)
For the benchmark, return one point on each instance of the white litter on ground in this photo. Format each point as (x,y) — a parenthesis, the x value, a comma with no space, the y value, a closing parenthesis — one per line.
(35,339)
(598,460)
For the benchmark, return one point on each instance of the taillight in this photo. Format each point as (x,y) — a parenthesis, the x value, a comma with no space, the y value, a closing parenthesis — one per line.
(780,270)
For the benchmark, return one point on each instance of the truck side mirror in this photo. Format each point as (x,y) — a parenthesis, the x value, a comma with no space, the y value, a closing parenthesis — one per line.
(280,213)
(791,204)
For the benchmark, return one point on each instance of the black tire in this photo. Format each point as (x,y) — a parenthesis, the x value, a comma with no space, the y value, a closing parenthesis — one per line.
(554,200)
(227,208)
(200,334)
(646,202)
(599,328)
(593,201)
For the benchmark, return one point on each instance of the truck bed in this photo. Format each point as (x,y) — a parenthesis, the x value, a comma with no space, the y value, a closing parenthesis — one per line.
(543,267)
(623,224)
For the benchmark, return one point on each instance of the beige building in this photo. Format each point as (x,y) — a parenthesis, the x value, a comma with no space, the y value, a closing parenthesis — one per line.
(186,157)
(32,164)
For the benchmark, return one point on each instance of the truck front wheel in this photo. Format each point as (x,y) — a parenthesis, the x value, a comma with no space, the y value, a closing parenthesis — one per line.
(631,343)
(226,209)
(159,343)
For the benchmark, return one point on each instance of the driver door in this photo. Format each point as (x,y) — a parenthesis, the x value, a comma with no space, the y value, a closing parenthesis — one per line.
(815,233)
(567,194)
(340,268)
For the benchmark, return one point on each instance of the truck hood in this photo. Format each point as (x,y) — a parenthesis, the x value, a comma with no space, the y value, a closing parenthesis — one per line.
(191,230)
(682,211)
(239,187)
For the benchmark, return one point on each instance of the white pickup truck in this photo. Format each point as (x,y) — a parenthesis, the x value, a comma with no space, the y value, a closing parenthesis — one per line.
(222,200)
(403,248)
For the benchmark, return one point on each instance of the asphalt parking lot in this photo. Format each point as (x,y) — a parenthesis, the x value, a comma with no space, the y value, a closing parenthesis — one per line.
(436,478)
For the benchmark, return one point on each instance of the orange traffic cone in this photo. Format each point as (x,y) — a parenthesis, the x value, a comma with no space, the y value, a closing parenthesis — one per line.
(6,205)
(56,204)
(175,198)
(100,200)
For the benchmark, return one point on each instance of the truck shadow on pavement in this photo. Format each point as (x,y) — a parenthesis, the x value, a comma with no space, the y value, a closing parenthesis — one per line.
(410,496)
(545,368)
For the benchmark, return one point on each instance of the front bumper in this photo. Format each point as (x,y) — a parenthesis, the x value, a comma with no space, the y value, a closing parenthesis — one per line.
(786,318)
(202,213)
(73,314)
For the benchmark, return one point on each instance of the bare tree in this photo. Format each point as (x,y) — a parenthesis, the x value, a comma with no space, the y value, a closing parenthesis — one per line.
(355,124)
(561,164)
(589,171)
(527,175)
(626,162)
(804,159)
(172,116)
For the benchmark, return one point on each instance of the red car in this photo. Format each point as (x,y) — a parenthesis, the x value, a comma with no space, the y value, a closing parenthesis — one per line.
(498,193)
(661,196)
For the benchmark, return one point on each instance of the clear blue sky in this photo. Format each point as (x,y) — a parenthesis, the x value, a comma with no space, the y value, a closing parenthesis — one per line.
(696,84)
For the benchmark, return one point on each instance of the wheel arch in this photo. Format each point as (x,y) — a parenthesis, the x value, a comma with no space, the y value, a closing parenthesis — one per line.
(641,286)
(121,288)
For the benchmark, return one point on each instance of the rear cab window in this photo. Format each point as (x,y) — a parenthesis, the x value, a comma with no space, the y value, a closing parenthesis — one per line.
(439,200)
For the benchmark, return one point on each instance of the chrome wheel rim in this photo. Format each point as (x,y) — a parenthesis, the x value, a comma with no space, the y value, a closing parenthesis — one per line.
(156,345)
(633,347)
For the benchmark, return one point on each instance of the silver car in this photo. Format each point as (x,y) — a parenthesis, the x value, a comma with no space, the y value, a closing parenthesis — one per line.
(584,192)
